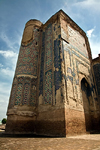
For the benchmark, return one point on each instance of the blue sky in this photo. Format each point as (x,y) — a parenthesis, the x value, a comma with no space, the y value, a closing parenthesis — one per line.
(13,16)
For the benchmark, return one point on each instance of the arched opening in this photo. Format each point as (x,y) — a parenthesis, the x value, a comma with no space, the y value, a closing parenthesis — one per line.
(86,96)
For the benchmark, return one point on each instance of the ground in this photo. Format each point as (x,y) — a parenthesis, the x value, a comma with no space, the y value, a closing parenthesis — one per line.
(79,142)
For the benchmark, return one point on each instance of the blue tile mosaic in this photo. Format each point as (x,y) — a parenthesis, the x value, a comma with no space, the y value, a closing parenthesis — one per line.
(28,58)
(48,48)
(48,87)
(26,94)
(57,64)
(42,64)
(66,48)
(12,98)
(18,94)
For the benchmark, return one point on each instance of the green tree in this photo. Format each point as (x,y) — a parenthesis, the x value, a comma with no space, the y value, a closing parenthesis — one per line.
(4,121)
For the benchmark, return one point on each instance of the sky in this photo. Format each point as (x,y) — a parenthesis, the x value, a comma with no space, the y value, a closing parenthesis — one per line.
(13,16)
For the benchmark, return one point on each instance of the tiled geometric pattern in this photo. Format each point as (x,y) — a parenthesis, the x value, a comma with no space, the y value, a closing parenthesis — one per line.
(28,57)
(46,54)
(27,51)
(27,80)
(48,87)
(57,65)
(20,79)
(56,53)
(18,94)
(26,69)
(26,94)
(33,95)
(12,96)
(48,48)
(42,64)
(34,82)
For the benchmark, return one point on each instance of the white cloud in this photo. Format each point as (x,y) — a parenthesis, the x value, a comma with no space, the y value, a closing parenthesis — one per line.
(94,44)
(11,58)
(8,53)
(7,72)
(94,5)
(89,32)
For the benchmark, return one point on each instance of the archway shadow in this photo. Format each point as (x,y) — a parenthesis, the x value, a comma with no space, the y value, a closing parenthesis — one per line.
(87,100)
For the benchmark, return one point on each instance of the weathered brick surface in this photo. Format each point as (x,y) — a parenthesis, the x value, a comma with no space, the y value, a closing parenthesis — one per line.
(75,122)
(50,123)
(19,124)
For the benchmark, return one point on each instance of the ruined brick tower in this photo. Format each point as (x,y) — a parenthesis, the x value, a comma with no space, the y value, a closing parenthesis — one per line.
(53,91)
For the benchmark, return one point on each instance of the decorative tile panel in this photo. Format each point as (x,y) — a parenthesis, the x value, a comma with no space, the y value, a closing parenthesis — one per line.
(48,87)
(28,57)
(26,94)
(78,41)
(33,96)
(12,98)
(42,64)
(48,48)
(57,65)
(18,94)
(27,51)
(20,79)
(33,93)
(69,48)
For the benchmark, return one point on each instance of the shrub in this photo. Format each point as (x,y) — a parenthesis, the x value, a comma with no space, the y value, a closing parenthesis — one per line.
(4,121)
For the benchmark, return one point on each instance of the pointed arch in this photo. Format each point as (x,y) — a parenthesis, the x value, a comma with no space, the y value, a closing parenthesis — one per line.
(86,97)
